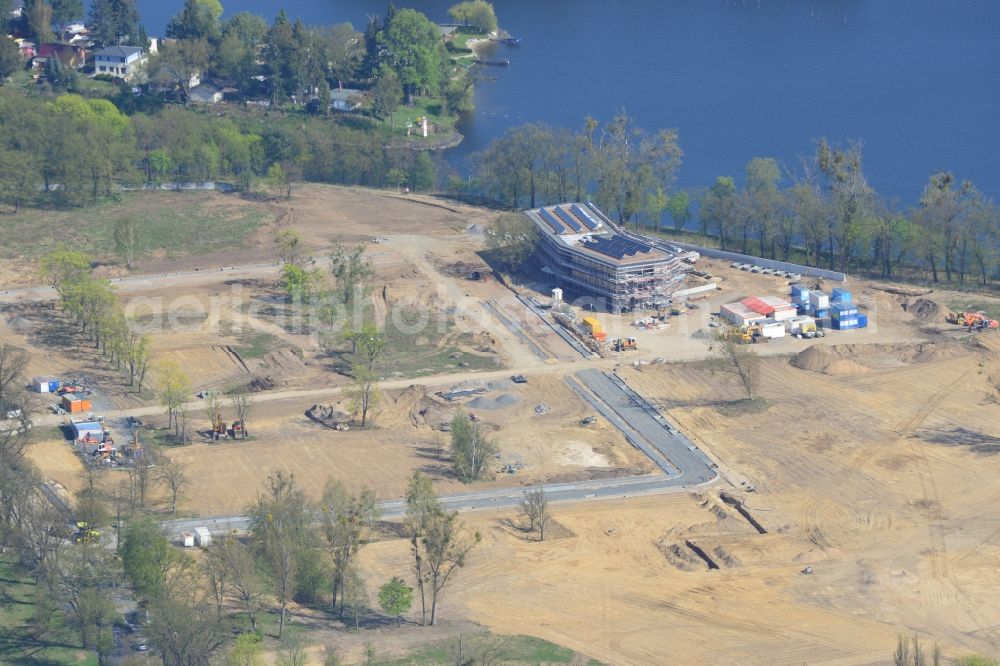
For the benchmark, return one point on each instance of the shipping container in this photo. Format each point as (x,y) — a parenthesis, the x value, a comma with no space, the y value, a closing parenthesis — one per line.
(804,309)
(822,313)
(823,322)
(819,300)
(862,320)
(840,295)
(592,325)
(45,384)
(800,293)
(75,404)
(203,536)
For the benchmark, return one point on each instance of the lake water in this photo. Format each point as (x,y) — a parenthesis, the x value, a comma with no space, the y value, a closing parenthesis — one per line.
(917,80)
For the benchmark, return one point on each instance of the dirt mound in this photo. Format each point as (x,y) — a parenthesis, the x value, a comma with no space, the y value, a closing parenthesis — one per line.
(501,401)
(258,384)
(823,359)
(857,359)
(926,310)
(679,555)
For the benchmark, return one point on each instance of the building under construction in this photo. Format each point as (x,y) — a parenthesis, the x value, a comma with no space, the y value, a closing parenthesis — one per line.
(589,256)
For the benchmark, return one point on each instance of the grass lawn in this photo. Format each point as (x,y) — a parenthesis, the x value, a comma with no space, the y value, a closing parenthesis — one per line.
(174,224)
(463,35)
(509,649)
(423,106)
(19,642)
(975,303)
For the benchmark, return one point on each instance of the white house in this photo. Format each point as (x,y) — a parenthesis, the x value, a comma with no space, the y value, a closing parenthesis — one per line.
(122,62)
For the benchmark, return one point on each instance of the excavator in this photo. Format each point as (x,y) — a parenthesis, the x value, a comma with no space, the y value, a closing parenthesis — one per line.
(84,534)
(973,320)
(624,344)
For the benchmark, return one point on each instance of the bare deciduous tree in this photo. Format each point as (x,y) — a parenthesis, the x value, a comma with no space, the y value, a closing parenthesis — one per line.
(172,476)
(242,401)
(126,238)
(732,357)
(535,507)
(243,576)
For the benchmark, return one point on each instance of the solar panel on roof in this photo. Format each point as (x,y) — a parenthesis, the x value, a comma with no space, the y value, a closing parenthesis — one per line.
(553,222)
(591,223)
(573,224)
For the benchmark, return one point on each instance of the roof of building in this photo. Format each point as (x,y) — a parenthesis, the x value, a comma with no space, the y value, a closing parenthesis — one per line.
(119,51)
(344,94)
(204,92)
(584,228)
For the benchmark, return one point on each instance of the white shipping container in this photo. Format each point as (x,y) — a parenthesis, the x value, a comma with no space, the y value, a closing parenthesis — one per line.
(819,299)
(187,539)
(795,324)
(203,536)
(772,329)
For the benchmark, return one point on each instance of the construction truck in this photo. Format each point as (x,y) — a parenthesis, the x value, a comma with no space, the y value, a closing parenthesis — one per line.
(624,344)
(973,320)
(84,534)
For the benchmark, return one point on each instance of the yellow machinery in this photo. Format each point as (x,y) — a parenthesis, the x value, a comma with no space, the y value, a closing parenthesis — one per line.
(973,320)
(624,344)
(84,534)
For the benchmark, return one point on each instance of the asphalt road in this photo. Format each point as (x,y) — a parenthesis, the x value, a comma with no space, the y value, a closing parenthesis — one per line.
(682,464)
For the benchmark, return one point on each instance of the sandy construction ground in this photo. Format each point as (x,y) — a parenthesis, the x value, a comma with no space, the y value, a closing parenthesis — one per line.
(881,481)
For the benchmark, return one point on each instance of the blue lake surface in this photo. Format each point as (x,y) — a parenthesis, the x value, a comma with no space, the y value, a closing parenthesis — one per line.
(917,80)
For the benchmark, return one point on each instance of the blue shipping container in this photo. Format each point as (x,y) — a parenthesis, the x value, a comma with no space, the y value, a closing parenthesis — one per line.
(822,314)
(800,293)
(803,308)
(54,385)
(840,295)
(862,321)
(823,322)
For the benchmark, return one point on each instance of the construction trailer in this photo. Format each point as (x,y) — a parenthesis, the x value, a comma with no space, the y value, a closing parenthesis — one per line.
(590,257)
(203,537)
(75,404)
(45,384)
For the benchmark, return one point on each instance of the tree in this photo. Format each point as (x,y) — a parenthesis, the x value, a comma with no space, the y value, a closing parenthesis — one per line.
(414,50)
(535,507)
(242,401)
(718,209)
(512,239)
(911,653)
(278,181)
(172,475)
(39,21)
(301,284)
(243,576)
(395,597)
(351,271)
(471,450)
(126,237)
(178,63)
(476,13)
(67,11)
(444,550)
(363,392)
(355,594)
(141,474)
(387,94)
(247,650)
(732,357)
(421,504)
(342,523)
(172,387)
(10,58)
(199,19)
(184,632)
(280,525)
(679,207)
(112,21)
(149,560)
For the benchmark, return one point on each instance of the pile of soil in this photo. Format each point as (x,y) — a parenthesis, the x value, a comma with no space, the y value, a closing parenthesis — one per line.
(926,310)
(857,359)
(20,324)
(501,401)
(823,359)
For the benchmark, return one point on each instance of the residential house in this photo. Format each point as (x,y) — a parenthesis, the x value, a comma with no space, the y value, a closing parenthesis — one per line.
(123,62)
(345,99)
(205,93)
(70,55)
(26,49)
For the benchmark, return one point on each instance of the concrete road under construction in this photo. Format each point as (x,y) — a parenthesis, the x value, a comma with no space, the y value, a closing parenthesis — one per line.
(682,464)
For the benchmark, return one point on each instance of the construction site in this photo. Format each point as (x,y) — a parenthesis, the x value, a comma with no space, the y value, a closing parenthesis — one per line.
(848,503)
(589,258)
